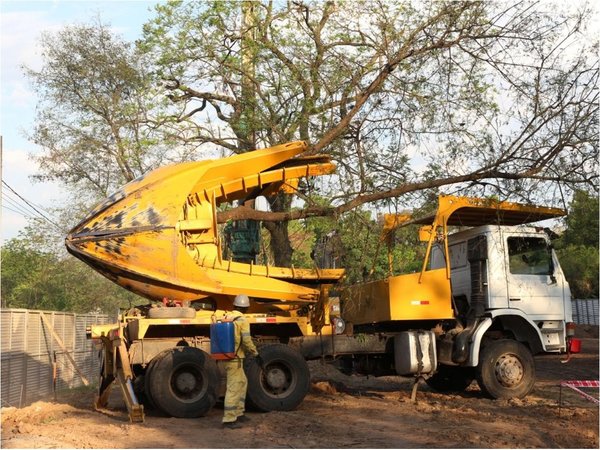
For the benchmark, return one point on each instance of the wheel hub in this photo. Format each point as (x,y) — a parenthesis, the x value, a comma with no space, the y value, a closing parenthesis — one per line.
(509,370)
(276,378)
(185,382)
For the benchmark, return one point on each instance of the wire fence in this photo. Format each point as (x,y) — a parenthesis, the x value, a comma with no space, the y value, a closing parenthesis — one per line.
(585,311)
(43,352)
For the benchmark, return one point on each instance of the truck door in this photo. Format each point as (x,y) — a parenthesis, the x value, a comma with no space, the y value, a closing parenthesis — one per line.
(535,286)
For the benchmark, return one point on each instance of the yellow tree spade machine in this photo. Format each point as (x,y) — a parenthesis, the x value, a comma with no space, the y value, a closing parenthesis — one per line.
(488,297)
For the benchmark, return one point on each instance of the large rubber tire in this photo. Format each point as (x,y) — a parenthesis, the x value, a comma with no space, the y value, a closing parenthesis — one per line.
(281,384)
(506,370)
(452,378)
(172,313)
(147,399)
(183,382)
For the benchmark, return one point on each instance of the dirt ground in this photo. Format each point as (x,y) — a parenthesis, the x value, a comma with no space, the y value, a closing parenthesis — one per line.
(339,412)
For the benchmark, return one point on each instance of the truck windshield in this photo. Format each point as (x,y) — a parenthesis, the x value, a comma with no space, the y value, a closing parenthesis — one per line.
(529,256)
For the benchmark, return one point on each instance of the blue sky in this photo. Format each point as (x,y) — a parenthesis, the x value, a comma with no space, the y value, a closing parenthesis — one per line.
(21,23)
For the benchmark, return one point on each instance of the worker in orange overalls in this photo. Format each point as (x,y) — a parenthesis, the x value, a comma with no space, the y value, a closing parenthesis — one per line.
(237,383)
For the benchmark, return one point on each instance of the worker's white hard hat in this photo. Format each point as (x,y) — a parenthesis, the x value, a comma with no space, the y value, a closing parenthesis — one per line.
(242,301)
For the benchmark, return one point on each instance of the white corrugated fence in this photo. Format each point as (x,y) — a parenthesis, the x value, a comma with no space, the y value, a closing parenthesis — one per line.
(29,347)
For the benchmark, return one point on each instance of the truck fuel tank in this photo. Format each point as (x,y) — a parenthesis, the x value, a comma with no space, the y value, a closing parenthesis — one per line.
(414,352)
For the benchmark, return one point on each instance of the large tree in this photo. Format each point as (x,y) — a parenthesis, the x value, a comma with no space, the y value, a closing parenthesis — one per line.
(407,98)
(484,97)
(100,123)
(481,97)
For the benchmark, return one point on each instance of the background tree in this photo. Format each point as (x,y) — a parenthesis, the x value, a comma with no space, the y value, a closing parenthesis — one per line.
(100,122)
(582,220)
(357,243)
(578,248)
(486,98)
(35,278)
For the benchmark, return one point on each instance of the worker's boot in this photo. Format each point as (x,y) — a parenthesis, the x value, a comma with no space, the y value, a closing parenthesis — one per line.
(232,425)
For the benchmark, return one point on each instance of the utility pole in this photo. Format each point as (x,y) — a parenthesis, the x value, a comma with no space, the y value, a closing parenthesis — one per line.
(2,300)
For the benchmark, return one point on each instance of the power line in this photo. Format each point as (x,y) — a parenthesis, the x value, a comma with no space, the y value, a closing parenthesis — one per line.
(15,211)
(31,206)
(16,202)
(28,203)
(19,209)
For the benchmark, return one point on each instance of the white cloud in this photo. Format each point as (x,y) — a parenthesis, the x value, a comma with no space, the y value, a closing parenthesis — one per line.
(18,167)
(20,94)
(20,33)
(16,161)
(11,223)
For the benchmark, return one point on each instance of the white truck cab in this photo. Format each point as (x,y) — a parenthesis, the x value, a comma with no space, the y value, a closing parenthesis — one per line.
(512,302)
(521,277)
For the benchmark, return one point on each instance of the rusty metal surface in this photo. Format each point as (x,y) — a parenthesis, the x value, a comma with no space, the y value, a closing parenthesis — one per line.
(158,236)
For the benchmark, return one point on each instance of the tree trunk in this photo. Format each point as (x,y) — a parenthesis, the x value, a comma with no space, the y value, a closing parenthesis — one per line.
(280,239)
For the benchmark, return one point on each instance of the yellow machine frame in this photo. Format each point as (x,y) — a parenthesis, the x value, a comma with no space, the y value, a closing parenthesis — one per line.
(159,237)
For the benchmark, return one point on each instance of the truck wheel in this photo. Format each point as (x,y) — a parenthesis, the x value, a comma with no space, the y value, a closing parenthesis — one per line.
(172,313)
(452,378)
(282,383)
(183,382)
(138,388)
(506,369)
(147,397)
